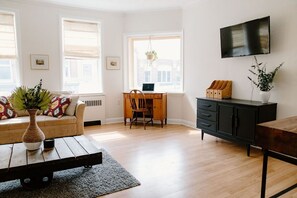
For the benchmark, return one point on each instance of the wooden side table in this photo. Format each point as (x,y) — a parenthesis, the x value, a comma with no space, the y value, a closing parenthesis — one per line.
(278,139)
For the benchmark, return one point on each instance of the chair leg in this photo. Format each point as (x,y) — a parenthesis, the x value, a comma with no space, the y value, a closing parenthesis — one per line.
(143,117)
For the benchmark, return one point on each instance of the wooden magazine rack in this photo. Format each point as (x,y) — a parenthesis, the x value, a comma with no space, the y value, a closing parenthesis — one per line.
(219,89)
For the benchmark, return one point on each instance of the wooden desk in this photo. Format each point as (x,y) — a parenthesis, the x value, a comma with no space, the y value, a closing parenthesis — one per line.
(278,139)
(158,101)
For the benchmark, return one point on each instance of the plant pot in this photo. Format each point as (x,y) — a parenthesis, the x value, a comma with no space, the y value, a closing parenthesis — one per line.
(150,56)
(265,95)
(33,136)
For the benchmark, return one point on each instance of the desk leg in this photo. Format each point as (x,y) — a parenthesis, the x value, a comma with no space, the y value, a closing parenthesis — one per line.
(264,172)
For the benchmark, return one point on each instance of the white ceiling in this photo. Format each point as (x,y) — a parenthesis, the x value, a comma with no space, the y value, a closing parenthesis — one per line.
(121,5)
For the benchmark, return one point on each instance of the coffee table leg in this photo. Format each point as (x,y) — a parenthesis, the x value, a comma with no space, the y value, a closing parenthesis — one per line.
(36,181)
(88,166)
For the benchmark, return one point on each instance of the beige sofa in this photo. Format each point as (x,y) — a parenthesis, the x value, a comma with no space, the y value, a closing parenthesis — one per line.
(11,130)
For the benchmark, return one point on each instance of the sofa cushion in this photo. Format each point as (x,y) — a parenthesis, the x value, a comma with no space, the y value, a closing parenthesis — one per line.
(58,106)
(42,120)
(6,111)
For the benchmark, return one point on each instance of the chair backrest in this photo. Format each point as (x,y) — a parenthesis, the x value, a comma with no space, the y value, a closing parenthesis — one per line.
(137,99)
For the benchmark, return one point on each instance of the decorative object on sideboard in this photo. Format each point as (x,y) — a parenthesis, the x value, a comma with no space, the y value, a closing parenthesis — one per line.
(32,100)
(219,89)
(263,80)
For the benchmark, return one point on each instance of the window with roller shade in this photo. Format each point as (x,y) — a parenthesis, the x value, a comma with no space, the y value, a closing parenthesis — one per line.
(81,56)
(9,67)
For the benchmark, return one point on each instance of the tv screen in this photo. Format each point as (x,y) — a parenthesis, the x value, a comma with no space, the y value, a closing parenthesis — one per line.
(249,38)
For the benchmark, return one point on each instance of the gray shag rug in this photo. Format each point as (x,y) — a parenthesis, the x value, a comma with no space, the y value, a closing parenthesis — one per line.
(102,179)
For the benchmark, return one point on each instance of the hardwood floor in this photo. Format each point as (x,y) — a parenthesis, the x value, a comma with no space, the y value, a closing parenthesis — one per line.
(174,162)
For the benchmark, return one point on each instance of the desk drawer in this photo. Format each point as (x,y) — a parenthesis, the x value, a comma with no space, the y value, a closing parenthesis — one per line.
(207,115)
(206,125)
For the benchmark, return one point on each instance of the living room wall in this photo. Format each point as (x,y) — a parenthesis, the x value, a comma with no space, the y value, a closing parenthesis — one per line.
(203,63)
(39,30)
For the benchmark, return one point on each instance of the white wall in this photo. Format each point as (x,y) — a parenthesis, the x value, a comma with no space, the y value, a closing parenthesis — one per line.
(202,22)
(40,34)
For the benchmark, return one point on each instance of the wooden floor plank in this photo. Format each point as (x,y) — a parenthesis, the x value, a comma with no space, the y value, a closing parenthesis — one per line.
(35,156)
(50,155)
(62,149)
(74,146)
(18,155)
(86,144)
(174,162)
(5,152)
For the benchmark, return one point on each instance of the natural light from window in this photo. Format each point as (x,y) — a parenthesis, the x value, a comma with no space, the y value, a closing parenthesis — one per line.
(81,56)
(9,71)
(166,71)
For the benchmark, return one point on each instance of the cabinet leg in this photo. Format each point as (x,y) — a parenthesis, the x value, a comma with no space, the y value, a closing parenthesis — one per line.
(202,135)
(248,149)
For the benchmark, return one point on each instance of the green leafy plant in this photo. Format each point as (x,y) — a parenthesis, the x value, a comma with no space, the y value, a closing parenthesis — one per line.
(24,98)
(263,79)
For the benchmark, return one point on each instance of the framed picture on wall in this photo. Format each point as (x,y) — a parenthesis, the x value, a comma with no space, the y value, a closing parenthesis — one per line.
(39,61)
(112,62)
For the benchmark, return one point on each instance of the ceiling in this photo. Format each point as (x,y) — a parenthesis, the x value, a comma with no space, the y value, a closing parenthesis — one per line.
(121,5)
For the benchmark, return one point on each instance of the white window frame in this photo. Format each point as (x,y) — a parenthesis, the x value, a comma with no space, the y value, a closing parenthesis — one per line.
(99,60)
(15,66)
(129,78)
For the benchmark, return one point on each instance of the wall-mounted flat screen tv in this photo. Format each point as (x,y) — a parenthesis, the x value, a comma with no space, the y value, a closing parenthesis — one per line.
(249,38)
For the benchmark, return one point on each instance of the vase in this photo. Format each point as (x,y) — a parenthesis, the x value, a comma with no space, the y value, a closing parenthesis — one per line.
(265,95)
(33,136)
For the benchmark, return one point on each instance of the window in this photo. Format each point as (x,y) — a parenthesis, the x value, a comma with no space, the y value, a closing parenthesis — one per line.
(8,54)
(165,71)
(81,56)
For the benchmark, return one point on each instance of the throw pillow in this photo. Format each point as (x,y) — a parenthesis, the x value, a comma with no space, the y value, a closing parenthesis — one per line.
(71,108)
(58,106)
(6,111)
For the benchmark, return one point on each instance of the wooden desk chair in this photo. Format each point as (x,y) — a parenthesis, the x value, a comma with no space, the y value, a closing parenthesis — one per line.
(139,107)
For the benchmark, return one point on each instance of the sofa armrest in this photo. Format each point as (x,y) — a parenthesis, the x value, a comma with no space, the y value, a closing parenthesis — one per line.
(79,113)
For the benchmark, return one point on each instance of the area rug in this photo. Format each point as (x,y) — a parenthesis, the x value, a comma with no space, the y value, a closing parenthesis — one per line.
(106,178)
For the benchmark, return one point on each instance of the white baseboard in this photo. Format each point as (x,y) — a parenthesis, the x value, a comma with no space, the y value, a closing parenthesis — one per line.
(169,121)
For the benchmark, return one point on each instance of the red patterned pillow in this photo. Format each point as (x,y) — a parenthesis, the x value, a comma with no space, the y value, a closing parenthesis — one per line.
(58,106)
(6,111)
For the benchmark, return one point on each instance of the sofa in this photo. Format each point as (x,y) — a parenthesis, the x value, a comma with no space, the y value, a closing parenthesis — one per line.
(12,129)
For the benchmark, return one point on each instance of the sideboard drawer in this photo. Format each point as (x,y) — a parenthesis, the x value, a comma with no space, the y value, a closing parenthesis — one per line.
(207,105)
(207,115)
(206,125)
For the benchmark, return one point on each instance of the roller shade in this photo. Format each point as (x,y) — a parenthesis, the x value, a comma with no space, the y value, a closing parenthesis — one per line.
(7,36)
(81,39)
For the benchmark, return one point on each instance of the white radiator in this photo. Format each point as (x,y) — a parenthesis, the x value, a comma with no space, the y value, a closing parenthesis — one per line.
(95,107)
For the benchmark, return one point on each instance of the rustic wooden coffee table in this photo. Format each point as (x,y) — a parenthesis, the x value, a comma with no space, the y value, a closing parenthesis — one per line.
(35,168)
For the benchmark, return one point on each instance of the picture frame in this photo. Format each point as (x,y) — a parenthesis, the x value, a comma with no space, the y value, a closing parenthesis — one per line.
(39,62)
(112,63)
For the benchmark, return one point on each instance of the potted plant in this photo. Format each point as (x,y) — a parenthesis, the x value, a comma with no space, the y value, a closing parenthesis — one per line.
(151,55)
(31,100)
(263,79)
